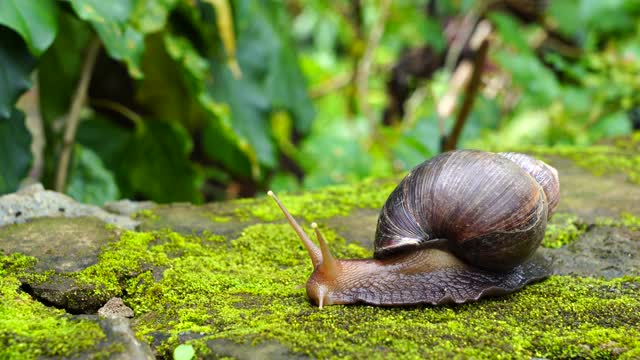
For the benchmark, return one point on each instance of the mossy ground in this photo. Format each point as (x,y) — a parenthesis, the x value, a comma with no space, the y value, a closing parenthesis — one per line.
(29,329)
(563,229)
(247,290)
(338,200)
(621,156)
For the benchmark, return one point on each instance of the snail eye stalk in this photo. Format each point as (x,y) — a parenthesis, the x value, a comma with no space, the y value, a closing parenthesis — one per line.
(314,252)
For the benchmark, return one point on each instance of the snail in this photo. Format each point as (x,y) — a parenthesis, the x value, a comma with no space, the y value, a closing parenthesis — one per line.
(460,226)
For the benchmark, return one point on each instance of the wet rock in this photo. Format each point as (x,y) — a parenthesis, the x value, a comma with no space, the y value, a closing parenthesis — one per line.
(265,350)
(603,251)
(115,308)
(34,201)
(215,218)
(118,330)
(127,207)
(62,247)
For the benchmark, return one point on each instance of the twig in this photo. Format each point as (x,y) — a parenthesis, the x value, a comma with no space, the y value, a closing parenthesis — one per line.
(472,89)
(120,109)
(73,119)
(335,83)
(468,28)
(364,67)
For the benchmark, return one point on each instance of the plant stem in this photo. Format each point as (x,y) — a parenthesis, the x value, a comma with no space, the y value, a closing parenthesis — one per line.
(71,124)
(451,141)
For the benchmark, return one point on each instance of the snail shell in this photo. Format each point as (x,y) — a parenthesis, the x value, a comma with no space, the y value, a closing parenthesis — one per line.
(489,208)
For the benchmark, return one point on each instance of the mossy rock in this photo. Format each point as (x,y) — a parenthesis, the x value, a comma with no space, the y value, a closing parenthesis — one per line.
(225,279)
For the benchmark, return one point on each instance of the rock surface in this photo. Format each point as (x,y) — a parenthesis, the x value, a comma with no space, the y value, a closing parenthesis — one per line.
(223,277)
(34,201)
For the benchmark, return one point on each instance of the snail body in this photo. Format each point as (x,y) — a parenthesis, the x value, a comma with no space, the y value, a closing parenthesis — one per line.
(460,226)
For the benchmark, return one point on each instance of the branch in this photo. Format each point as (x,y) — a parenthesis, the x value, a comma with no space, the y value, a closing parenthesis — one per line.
(73,119)
(451,141)
(335,83)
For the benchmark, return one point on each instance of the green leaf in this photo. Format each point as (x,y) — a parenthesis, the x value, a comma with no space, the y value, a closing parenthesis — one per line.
(225,151)
(271,78)
(123,43)
(150,16)
(538,82)
(15,151)
(249,110)
(157,164)
(91,134)
(266,48)
(89,181)
(184,352)
(100,11)
(616,124)
(60,66)
(16,64)
(511,32)
(110,20)
(173,90)
(35,20)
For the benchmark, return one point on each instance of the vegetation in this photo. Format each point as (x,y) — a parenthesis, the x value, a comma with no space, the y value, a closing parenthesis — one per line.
(195,100)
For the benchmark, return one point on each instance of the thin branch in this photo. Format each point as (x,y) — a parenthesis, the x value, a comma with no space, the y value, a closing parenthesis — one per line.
(451,141)
(327,87)
(71,124)
(364,67)
(134,117)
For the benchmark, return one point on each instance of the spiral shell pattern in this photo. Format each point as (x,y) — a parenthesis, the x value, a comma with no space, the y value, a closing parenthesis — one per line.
(489,208)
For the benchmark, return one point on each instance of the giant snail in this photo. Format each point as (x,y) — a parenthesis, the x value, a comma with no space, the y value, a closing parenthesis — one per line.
(460,226)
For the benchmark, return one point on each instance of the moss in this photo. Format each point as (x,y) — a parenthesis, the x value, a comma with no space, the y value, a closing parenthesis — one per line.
(624,220)
(331,201)
(563,229)
(145,214)
(220,219)
(247,290)
(622,156)
(30,330)
(16,262)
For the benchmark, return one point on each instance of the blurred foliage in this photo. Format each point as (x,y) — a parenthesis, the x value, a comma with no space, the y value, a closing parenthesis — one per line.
(196,100)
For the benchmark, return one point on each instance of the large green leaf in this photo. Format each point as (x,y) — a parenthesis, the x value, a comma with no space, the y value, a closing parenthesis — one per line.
(35,20)
(123,43)
(150,16)
(91,134)
(151,162)
(110,19)
(60,66)
(100,11)
(158,166)
(173,90)
(271,78)
(89,180)
(250,109)
(16,64)
(15,152)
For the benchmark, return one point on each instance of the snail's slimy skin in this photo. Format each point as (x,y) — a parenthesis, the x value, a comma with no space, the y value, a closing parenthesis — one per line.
(427,276)
(463,225)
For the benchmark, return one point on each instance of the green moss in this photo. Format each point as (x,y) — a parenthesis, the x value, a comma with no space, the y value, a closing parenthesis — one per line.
(145,214)
(16,262)
(623,156)
(29,330)
(624,220)
(328,202)
(247,290)
(563,229)
(220,219)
